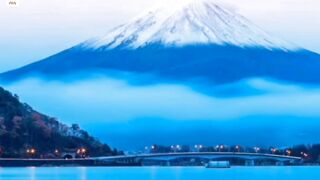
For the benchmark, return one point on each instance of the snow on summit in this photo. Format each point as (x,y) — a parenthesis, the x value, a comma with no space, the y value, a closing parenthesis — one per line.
(189,22)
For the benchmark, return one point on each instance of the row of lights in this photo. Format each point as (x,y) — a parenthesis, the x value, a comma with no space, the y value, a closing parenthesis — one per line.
(237,148)
(32,151)
(220,147)
(176,147)
(305,155)
(172,147)
(198,146)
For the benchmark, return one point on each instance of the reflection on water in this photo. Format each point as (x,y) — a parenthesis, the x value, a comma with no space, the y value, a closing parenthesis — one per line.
(160,173)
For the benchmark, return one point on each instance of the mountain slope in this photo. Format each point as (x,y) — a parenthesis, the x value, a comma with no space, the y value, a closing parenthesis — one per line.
(21,128)
(216,64)
(198,39)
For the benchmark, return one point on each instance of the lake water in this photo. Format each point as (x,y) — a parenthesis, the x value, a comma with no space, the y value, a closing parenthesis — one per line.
(161,173)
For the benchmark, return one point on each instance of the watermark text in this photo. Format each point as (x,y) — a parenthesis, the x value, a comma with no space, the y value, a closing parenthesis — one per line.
(13,3)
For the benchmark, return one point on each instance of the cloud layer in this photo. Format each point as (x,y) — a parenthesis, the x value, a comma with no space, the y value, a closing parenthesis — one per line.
(104,99)
(114,108)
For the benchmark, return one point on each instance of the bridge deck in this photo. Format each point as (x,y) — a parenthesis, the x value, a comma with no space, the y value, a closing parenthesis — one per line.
(204,154)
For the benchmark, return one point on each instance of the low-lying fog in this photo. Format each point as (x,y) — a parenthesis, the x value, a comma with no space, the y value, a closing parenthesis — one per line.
(129,115)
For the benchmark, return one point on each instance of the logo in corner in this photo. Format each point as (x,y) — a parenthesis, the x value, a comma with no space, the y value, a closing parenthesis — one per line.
(13,3)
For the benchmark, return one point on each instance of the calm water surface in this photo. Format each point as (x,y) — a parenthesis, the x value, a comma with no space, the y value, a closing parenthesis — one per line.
(161,173)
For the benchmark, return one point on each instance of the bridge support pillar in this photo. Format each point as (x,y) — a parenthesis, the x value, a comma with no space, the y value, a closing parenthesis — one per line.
(250,163)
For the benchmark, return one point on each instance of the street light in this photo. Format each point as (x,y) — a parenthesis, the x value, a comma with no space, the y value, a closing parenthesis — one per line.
(238,148)
(221,148)
(31,152)
(82,152)
(288,152)
(217,147)
(198,147)
(273,150)
(257,149)
(305,155)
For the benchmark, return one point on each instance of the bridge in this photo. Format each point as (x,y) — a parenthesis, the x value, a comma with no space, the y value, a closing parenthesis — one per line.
(165,159)
(250,159)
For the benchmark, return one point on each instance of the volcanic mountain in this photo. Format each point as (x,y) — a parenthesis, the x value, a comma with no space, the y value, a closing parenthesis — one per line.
(195,39)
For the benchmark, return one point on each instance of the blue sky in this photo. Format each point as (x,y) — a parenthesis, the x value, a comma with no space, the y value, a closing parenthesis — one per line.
(37,29)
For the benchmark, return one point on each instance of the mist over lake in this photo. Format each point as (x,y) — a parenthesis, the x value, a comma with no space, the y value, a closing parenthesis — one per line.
(276,113)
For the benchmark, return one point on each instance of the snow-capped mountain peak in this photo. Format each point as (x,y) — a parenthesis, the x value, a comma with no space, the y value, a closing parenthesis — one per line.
(189,22)
(183,41)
